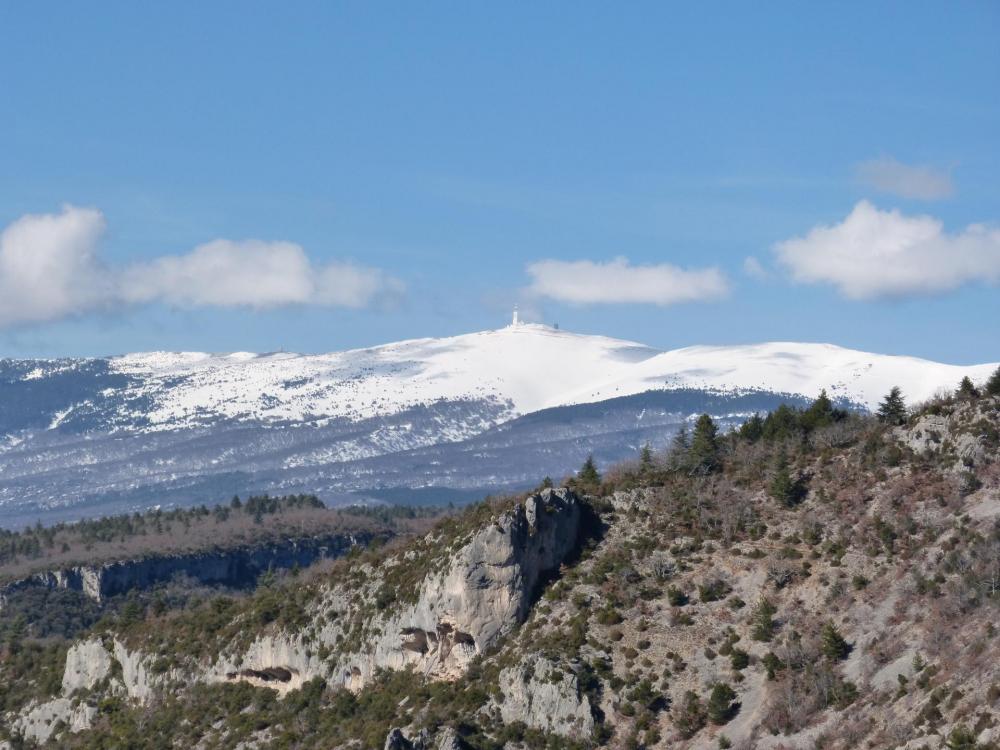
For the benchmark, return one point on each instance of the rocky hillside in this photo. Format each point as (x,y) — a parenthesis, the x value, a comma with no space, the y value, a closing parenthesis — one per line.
(815,579)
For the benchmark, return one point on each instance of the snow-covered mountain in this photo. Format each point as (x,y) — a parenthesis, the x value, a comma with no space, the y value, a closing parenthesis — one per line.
(82,435)
(526,367)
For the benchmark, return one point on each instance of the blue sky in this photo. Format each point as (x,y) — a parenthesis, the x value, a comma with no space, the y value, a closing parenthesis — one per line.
(421,167)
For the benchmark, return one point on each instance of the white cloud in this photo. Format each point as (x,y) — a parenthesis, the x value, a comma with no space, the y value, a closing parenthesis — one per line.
(875,253)
(49,269)
(255,274)
(48,266)
(584,282)
(905,180)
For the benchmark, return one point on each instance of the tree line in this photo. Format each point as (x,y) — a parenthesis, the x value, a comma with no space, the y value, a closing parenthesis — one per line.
(700,451)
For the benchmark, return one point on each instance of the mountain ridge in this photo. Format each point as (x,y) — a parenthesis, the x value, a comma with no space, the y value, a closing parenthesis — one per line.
(84,436)
(181,389)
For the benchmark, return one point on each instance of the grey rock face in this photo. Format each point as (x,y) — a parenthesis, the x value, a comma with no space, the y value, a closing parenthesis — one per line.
(927,435)
(87,663)
(40,721)
(448,739)
(545,697)
(481,595)
(91,661)
(396,740)
(445,739)
(85,579)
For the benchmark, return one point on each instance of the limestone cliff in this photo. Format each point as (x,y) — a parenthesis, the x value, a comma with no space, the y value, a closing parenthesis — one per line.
(482,594)
(236,567)
(470,598)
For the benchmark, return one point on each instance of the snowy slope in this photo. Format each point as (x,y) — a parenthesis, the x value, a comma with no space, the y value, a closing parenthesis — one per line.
(525,368)
(805,369)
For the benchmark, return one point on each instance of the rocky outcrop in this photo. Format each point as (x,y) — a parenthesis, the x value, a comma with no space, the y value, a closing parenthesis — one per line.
(238,567)
(545,697)
(962,431)
(87,663)
(482,593)
(396,740)
(39,721)
(128,672)
(470,599)
(446,738)
(90,664)
(83,578)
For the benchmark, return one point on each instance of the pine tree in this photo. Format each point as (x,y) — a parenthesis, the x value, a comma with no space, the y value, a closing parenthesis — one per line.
(772,664)
(993,384)
(893,409)
(753,429)
(832,643)
(588,475)
(820,413)
(783,487)
(703,456)
(762,620)
(267,578)
(966,389)
(646,458)
(784,422)
(720,707)
(679,448)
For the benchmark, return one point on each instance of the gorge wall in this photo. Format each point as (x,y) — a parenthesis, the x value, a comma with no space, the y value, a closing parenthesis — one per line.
(236,567)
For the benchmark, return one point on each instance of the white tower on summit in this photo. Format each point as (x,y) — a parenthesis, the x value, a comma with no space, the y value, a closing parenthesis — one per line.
(515,322)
